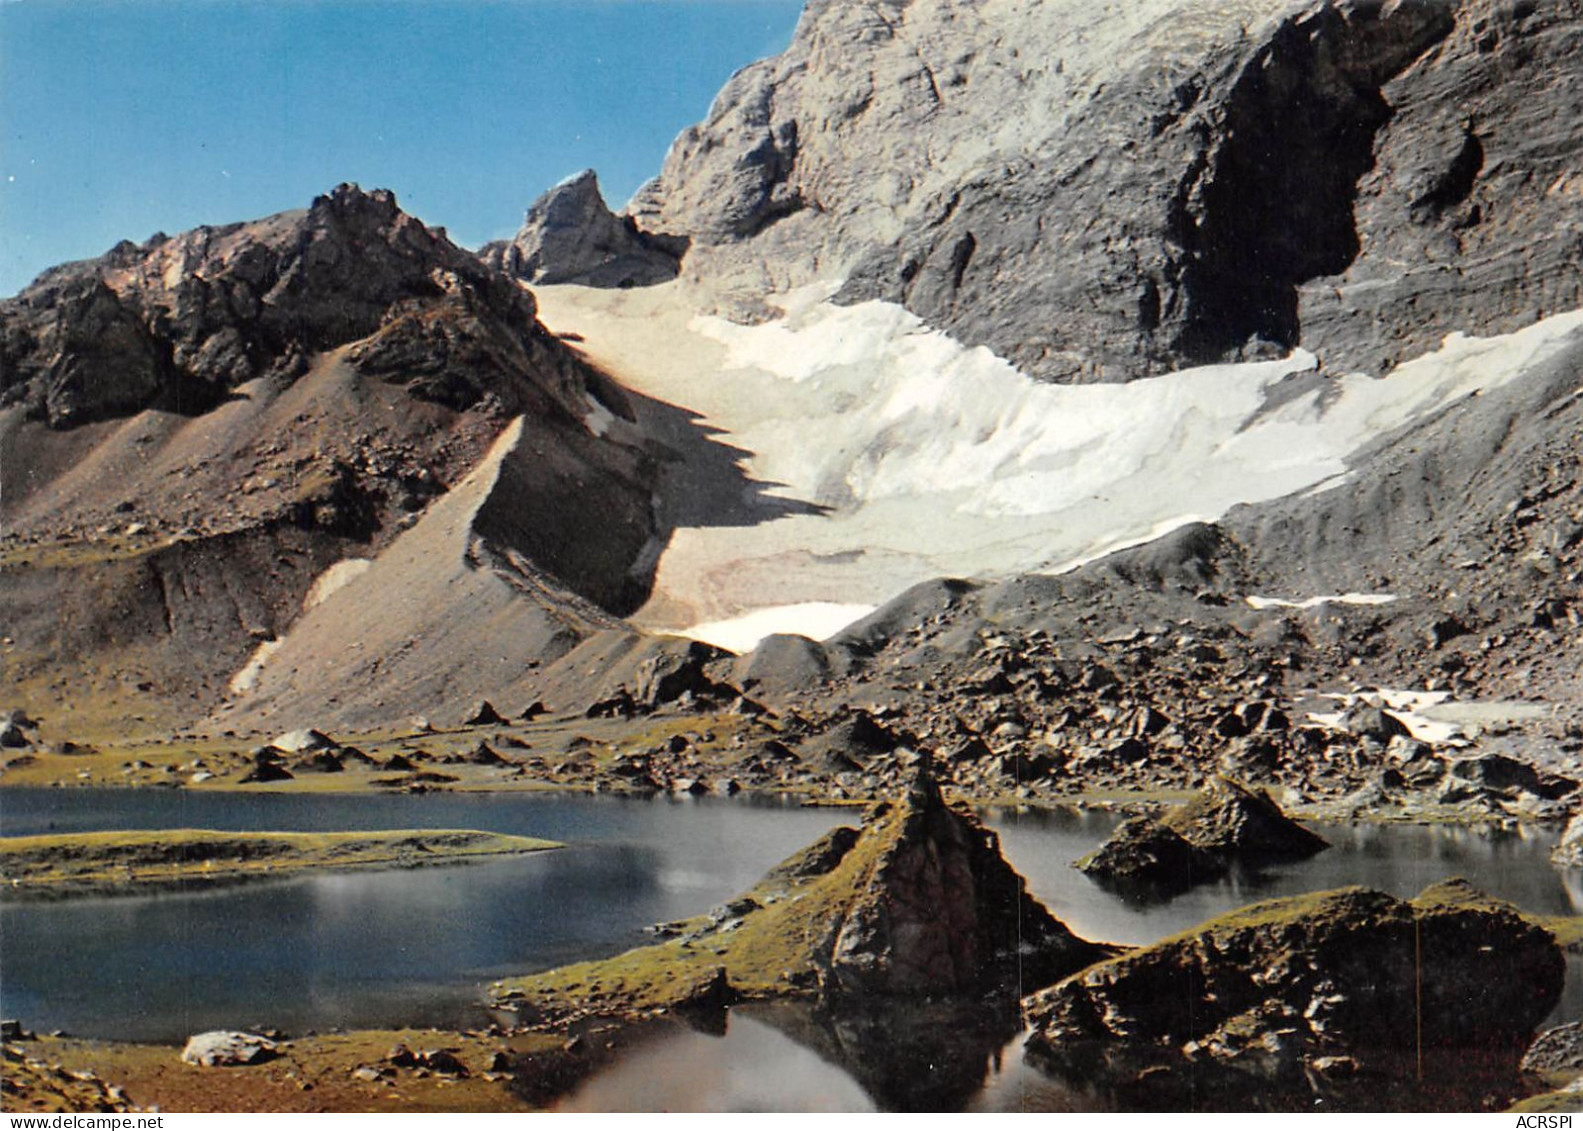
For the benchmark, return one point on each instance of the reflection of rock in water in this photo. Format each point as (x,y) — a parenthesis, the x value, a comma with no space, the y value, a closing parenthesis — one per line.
(907,1057)
(1572,882)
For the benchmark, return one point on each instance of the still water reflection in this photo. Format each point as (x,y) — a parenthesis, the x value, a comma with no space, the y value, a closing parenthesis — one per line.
(385,948)
(367,948)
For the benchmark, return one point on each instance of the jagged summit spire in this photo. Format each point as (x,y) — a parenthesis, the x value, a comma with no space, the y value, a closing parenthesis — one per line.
(569,235)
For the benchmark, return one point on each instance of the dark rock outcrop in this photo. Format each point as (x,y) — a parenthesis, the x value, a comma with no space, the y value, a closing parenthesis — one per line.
(1429,1002)
(181,322)
(483,714)
(1369,720)
(1226,825)
(1146,854)
(1230,818)
(267,772)
(570,236)
(673,670)
(850,743)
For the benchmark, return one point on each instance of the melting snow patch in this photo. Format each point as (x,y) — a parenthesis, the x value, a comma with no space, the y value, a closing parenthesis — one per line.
(817,620)
(1314,602)
(338,576)
(247,679)
(1431,716)
(599,418)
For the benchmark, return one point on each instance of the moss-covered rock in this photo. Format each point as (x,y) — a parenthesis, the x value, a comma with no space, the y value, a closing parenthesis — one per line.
(1349,993)
(919,902)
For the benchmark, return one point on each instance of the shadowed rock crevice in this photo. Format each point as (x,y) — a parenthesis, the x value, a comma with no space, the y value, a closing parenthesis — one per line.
(1275,204)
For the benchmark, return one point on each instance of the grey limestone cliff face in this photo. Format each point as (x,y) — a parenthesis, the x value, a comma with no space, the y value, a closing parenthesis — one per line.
(1101,190)
(570,236)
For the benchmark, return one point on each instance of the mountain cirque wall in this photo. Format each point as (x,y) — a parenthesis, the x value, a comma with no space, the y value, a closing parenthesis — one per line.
(1098,190)
(194,430)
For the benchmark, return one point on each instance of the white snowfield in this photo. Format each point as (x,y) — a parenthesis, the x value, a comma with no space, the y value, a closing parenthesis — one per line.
(928,458)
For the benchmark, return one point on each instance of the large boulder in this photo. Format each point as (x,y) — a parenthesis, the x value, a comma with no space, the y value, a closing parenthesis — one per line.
(1146,854)
(303,742)
(851,742)
(1224,826)
(1232,818)
(931,907)
(1370,720)
(220,1048)
(1429,1001)
(675,668)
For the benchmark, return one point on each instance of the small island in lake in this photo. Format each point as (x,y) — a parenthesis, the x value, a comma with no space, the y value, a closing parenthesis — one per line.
(103,863)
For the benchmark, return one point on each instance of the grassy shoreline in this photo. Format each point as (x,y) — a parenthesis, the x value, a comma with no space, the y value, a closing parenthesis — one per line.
(64,865)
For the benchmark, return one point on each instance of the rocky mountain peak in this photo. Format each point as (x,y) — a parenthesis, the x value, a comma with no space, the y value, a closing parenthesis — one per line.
(179,322)
(347,200)
(570,236)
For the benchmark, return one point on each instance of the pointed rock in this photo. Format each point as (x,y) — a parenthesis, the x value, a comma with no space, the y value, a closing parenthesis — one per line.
(919,902)
(933,908)
(570,236)
(483,714)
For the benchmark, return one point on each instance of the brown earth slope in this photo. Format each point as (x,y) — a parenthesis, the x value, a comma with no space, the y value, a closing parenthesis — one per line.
(196,429)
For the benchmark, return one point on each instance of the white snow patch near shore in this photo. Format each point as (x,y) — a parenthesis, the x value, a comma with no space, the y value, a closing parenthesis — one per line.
(247,677)
(339,575)
(927,458)
(817,620)
(1433,716)
(1314,602)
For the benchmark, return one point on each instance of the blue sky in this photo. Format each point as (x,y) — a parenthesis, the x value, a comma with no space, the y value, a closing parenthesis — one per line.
(120,118)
